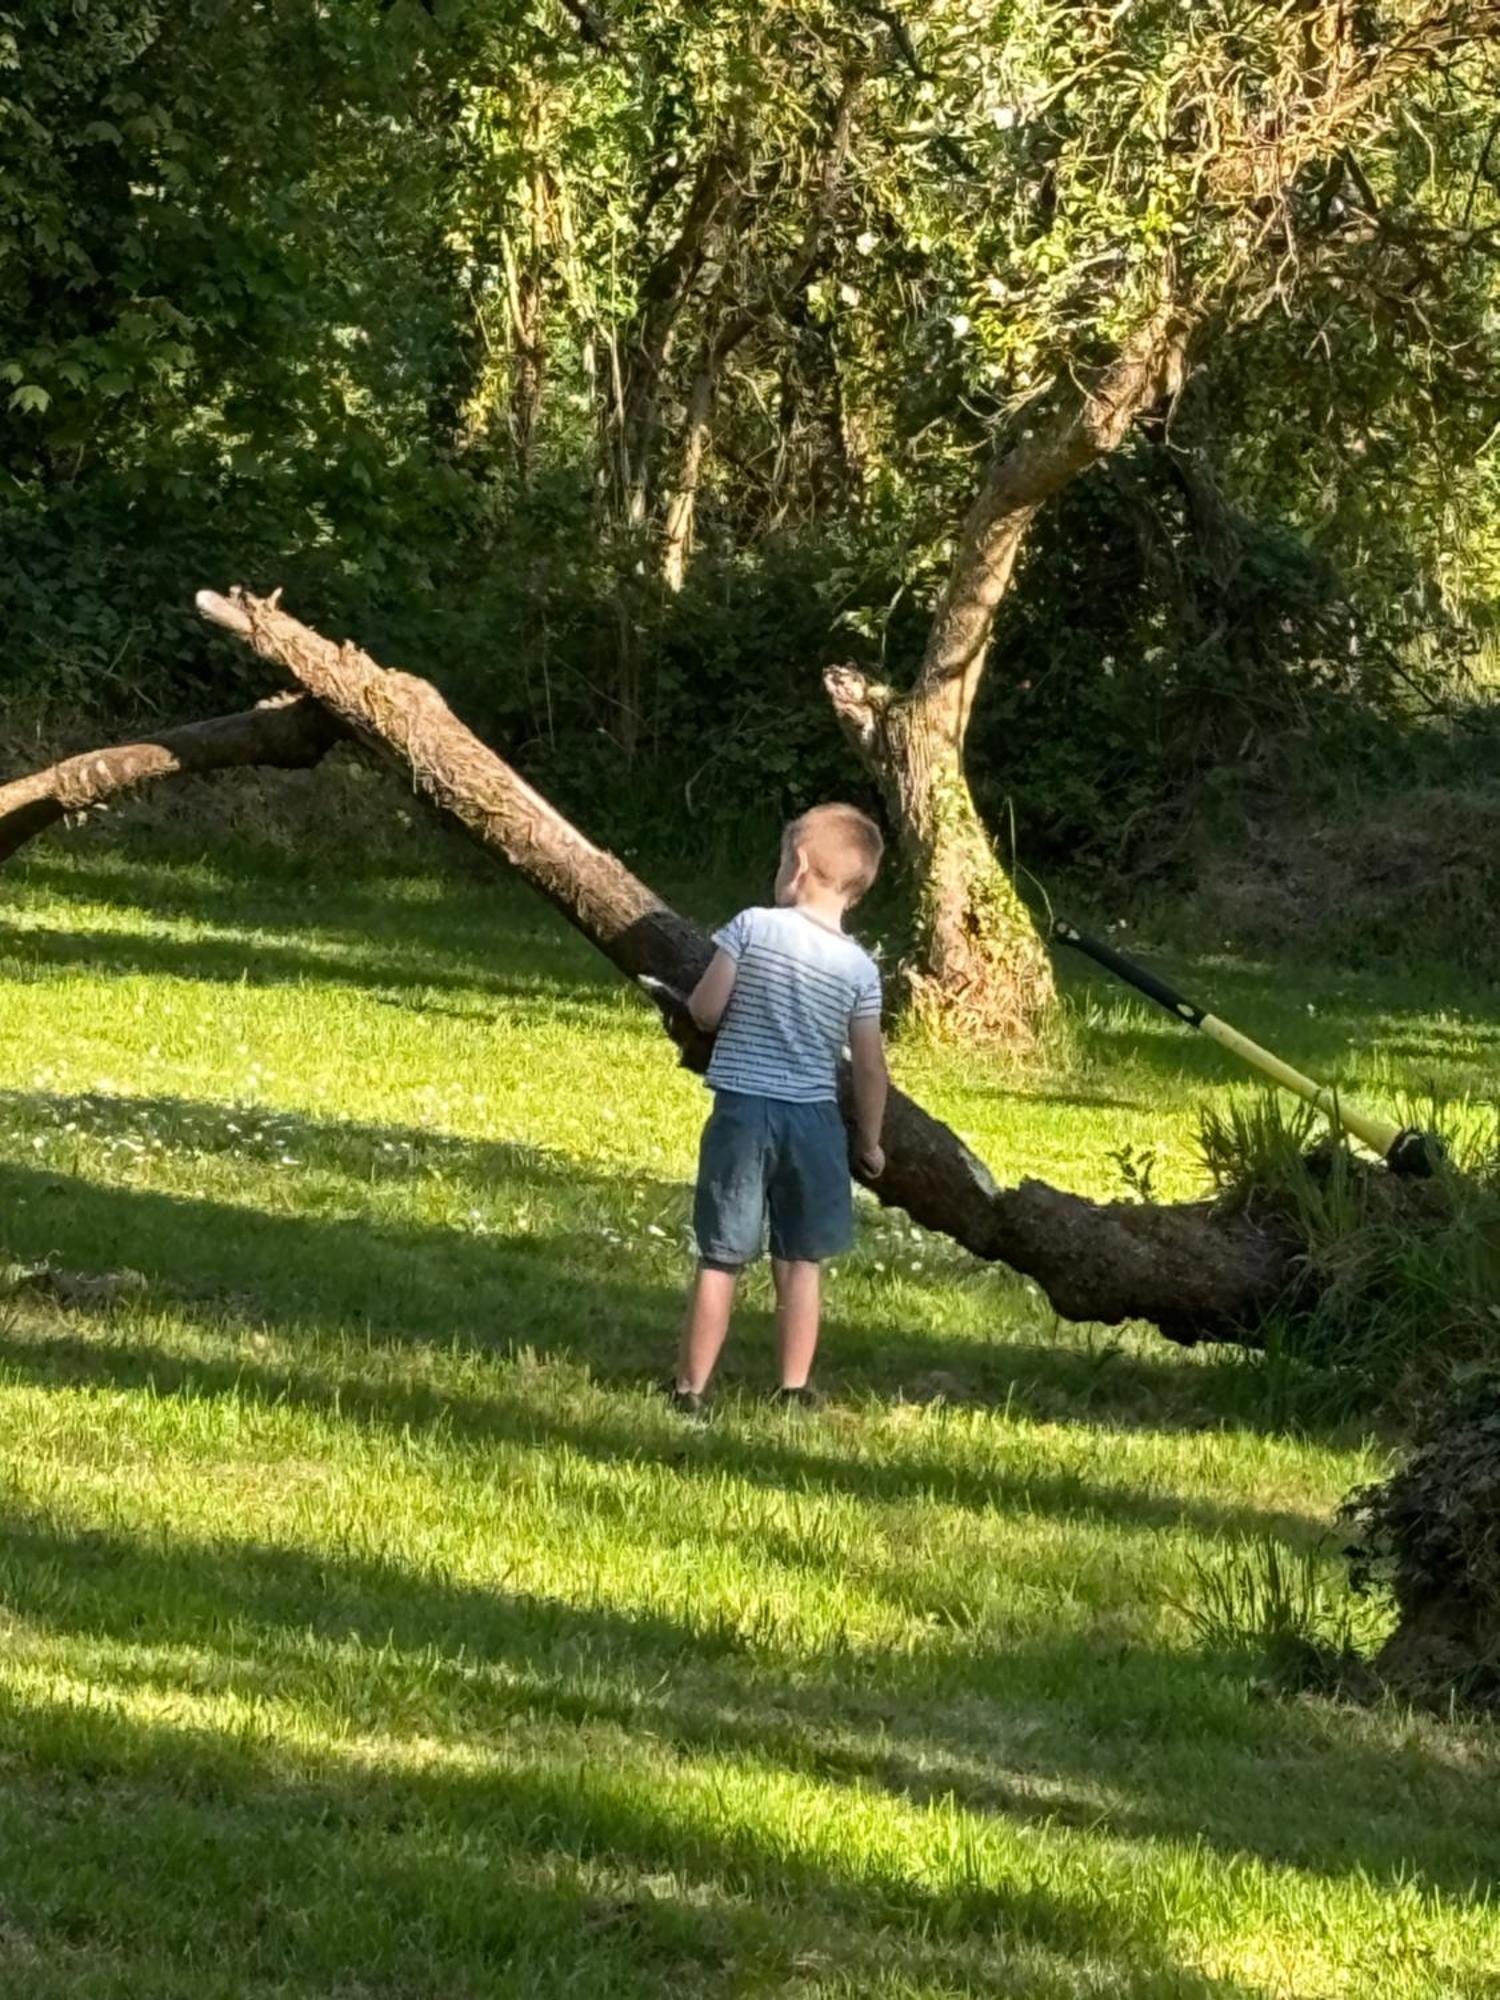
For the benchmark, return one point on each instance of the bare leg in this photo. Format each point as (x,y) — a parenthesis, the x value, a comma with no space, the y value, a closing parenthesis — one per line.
(707,1323)
(798,1297)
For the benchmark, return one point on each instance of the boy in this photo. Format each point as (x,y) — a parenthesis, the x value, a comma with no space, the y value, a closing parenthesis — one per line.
(786,990)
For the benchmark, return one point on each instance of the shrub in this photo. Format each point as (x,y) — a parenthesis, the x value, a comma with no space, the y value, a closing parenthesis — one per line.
(1430,1535)
(1396,1311)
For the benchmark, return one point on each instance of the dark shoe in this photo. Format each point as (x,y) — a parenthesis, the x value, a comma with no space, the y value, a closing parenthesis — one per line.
(686,1402)
(804,1398)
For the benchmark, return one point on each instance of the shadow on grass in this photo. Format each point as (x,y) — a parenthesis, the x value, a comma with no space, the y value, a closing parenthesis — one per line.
(559,1289)
(365,1154)
(306,1274)
(1080,1097)
(523,1873)
(612,1434)
(429,904)
(410,1658)
(256,961)
(1331,1038)
(483,932)
(490,937)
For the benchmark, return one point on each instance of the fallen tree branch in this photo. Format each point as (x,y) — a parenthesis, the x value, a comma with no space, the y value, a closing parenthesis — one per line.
(289,731)
(1195,1271)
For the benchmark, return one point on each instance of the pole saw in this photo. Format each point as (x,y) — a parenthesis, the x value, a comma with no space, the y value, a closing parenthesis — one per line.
(1404,1150)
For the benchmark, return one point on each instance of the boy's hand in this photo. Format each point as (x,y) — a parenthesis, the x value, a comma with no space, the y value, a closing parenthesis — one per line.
(869,1157)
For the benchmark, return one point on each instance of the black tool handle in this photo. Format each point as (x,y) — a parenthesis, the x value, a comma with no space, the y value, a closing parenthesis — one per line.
(1124,968)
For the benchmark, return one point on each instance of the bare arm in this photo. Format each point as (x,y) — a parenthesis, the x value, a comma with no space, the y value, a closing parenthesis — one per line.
(709,998)
(871,1084)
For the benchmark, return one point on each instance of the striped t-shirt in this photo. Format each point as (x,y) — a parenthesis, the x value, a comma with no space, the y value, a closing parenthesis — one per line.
(798,987)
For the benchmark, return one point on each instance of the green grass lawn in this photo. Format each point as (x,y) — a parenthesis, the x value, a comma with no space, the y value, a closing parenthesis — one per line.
(369,1629)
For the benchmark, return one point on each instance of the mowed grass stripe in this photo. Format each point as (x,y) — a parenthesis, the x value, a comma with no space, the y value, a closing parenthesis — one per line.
(370,1628)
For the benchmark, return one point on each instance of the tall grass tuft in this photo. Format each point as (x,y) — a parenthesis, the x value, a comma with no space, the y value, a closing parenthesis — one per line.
(1286,1606)
(1400,1279)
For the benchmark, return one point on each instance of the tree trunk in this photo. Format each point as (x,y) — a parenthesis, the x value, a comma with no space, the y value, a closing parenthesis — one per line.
(290,731)
(647,345)
(680,512)
(1195,1271)
(978,964)
(526,288)
(682,502)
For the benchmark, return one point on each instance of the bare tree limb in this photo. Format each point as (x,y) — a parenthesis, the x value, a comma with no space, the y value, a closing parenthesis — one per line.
(290,731)
(1195,1271)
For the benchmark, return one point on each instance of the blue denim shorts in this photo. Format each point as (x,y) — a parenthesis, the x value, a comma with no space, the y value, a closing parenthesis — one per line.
(762,1160)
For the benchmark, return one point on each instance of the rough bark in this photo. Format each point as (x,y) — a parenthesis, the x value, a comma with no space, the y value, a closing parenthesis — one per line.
(1196,1272)
(290,731)
(1430,1533)
(979,967)
(979,964)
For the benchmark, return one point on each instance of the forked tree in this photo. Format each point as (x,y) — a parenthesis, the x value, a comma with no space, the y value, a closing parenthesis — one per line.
(940,261)
(1147,176)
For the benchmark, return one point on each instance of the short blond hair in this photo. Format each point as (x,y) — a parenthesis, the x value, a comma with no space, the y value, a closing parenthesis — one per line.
(841,845)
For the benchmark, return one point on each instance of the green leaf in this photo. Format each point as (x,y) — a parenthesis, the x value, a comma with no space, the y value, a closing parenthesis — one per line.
(31,396)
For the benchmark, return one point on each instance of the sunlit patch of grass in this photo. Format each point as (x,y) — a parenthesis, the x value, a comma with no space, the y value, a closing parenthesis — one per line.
(369,1626)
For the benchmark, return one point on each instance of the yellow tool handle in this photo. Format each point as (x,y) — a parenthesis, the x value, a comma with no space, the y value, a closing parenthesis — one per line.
(1377,1133)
